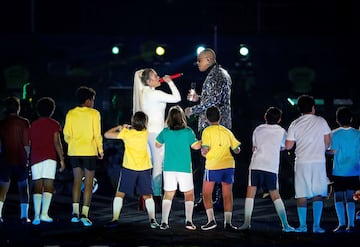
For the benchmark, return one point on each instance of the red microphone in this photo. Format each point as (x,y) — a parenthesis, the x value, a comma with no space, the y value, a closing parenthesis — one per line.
(161,80)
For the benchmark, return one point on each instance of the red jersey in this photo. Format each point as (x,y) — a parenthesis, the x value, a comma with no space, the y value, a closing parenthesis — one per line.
(42,139)
(14,136)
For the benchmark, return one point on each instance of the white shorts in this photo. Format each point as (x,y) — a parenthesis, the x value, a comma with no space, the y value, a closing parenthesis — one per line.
(310,180)
(184,179)
(43,169)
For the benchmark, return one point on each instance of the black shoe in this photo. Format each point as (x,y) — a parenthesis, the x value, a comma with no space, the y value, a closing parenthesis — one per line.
(25,220)
(340,229)
(210,225)
(112,224)
(228,226)
(350,229)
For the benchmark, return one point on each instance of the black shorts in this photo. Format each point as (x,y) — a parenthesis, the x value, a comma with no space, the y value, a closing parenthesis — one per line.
(7,172)
(84,162)
(346,183)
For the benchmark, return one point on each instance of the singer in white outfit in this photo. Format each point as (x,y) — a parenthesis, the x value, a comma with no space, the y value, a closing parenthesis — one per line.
(153,102)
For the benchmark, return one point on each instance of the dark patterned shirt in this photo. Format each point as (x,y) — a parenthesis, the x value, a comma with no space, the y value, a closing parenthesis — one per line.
(216,91)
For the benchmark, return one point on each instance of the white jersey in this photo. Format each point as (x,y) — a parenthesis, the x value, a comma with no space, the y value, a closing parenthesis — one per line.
(267,141)
(308,132)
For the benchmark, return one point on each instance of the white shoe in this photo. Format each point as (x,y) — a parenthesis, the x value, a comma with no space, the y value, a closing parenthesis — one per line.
(36,221)
(46,218)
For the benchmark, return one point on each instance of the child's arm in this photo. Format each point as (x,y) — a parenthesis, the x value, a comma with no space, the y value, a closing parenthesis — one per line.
(196,145)
(237,150)
(204,150)
(114,132)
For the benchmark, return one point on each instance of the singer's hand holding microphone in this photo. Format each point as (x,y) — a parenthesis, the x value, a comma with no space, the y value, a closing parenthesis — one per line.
(168,78)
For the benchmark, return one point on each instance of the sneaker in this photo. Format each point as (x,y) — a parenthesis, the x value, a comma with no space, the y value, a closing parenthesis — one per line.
(25,220)
(229,226)
(46,218)
(301,229)
(154,224)
(36,221)
(340,229)
(288,229)
(75,218)
(112,224)
(190,226)
(164,226)
(85,220)
(318,229)
(244,227)
(350,229)
(210,225)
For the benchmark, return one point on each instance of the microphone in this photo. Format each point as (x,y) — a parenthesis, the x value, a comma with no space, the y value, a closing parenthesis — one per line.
(161,80)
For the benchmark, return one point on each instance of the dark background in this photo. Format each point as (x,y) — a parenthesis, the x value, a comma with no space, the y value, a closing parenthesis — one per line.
(59,45)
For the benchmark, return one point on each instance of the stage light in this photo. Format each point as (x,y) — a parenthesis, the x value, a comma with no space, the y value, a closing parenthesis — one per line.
(317,101)
(243,52)
(160,50)
(117,49)
(199,49)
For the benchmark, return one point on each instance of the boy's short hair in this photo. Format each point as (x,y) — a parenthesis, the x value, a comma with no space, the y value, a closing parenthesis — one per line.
(11,105)
(139,121)
(305,103)
(344,115)
(84,93)
(45,107)
(273,115)
(213,114)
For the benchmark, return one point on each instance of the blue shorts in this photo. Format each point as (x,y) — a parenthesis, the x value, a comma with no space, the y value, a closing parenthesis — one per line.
(263,179)
(135,182)
(84,162)
(218,176)
(9,171)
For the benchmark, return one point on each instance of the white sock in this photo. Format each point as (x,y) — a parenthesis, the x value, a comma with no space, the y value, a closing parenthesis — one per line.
(1,208)
(340,211)
(350,209)
(210,214)
(166,207)
(37,205)
(150,207)
(227,217)
(280,210)
(249,206)
(85,210)
(46,200)
(24,210)
(302,212)
(189,208)
(117,206)
(317,211)
(76,207)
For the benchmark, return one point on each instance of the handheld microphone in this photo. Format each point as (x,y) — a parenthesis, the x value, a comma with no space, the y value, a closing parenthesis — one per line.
(161,80)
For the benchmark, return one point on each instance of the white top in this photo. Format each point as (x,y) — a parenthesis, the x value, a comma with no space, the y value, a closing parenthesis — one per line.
(154,104)
(267,141)
(308,132)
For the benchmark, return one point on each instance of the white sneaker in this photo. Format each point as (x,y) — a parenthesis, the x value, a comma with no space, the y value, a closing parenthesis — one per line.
(46,218)
(36,221)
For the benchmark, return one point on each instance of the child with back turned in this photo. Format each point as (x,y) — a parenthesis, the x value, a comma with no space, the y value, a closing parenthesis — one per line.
(268,140)
(136,168)
(345,145)
(178,139)
(219,167)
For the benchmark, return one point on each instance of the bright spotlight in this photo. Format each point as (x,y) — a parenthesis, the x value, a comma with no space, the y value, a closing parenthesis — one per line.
(244,51)
(199,49)
(160,51)
(115,50)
